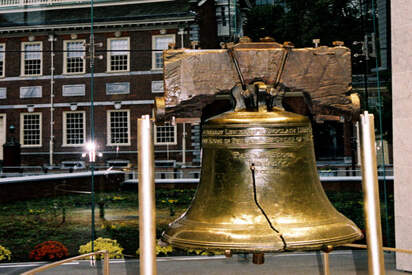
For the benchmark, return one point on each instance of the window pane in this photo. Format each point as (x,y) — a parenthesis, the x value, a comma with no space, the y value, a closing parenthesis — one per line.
(31,129)
(32,59)
(119,127)
(32,51)
(1,53)
(162,43)
(165,134)
(119,54)
(74,128)
(118,45)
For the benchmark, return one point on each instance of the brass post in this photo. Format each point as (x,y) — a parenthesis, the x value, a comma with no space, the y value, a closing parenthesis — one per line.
(106,268)
(371,196)
(326,269)
(147,207)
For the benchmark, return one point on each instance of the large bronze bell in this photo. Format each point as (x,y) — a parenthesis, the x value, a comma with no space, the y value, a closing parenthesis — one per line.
(259,189)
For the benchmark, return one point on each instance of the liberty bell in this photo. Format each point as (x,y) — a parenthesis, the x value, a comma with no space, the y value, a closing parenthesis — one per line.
(259,189)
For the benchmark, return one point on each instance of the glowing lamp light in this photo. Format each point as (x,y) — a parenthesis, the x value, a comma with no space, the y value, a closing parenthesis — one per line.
(91,150)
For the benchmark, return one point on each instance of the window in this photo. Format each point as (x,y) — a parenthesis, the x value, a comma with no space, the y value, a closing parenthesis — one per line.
(73,164)
(31,92)
(2,57)
(118,54)
(30,129)
(74,51)
(165,134)
(74,90)
(160,42)
(3,93)
(32,58)
(157,86)
(117,88)
(74,128)
(118,163)
(118,127)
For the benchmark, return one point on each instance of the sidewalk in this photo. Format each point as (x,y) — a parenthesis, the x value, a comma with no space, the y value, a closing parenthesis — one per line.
(345,262)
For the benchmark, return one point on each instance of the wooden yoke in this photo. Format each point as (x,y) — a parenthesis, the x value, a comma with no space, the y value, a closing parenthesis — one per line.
(192,78)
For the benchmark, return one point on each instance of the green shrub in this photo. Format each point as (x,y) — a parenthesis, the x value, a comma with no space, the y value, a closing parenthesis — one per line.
(5,254)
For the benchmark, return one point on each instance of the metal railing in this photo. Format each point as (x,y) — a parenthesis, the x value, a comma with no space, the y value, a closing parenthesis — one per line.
(326,267)
(105,253)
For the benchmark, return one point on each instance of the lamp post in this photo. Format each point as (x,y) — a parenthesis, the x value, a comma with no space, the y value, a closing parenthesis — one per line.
(92,152)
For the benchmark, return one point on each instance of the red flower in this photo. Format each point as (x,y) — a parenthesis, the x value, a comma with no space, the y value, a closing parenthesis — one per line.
(49,250)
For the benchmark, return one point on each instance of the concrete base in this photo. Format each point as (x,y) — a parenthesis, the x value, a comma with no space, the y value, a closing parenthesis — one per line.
(345,262)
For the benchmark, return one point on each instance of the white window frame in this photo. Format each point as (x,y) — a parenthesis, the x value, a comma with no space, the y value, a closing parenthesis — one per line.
(65,144)
(65,56)
(22,115)
(165,143)
(22,65)
(109,128)
(109,54)
(173,36)
(4,59)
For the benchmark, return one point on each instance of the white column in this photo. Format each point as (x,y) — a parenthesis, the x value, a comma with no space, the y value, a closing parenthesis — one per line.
(401,26)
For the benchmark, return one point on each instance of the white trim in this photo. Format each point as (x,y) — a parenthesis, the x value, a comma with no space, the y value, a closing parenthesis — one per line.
(23,44)
(22,130)
(4,59)
(82,104)
(109,54)
(64,142)
(109,128)
(173,36)
(65,42)
(35,7)
(120,24)
(62,76)
(165,143)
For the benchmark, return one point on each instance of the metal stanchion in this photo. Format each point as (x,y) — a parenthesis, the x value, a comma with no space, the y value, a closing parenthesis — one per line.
(106,267)
(371,196)
(147,207)
(326,268)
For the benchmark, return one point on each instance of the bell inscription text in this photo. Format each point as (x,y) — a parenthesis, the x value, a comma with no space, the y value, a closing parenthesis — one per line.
(268,136)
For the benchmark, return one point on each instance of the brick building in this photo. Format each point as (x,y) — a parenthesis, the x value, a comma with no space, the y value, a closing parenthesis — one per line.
(46,78)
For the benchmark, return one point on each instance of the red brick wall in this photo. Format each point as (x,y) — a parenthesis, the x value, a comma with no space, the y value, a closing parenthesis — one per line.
(140,89)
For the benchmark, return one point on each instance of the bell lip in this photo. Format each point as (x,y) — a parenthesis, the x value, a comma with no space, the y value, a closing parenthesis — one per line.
(290,246)
(275,116)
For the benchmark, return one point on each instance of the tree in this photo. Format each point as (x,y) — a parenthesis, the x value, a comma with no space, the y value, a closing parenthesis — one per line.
(300,21)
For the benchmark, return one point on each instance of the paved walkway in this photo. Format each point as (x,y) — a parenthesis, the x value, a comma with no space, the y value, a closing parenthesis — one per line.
(345,262)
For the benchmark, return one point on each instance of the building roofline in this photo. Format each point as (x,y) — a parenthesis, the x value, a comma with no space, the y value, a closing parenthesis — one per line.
(43,7)
(78,26)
